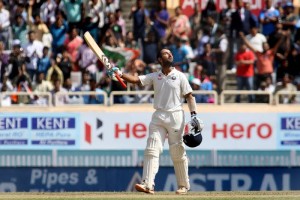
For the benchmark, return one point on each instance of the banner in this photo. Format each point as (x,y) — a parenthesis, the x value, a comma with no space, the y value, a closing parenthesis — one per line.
(39,131)
(222,131)
(77,179)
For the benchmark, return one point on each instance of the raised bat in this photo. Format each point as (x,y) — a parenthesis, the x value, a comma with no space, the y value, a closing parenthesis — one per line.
(101,56)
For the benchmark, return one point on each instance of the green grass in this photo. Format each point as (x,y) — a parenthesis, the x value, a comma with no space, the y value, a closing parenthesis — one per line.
(272,195)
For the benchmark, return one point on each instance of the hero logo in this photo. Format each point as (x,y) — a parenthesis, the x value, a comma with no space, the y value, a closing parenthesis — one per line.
(239,131)
(137,130)
(88,131)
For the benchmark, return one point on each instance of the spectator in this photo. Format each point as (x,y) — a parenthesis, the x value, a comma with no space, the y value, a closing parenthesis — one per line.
(160,19)
(289,18)
(19,30)
(264,59)
(114,31)
(180,24)
(179,55)
(87,60)
(16,59)
(71,98)
(5,99)
(58,31)
(140,17)
(221,51)
(195,25)
(256,39)
(42,85)
(60,99)
(72,44)
(129,41)
(245,71)
(4,24)
(268,17)
(205,38)
(73,9)
(33,51)
(22,83)
(207,60)
(47,12)
(4,61)
(209,10)
(225,16)
(94,98)
(65,64)
(54,72)
(150,48)
(121,22)
(44,63)
(287,86)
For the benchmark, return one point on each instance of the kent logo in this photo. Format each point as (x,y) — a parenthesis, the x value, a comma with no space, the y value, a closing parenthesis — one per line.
(290,123)
(52,123)
(7,123)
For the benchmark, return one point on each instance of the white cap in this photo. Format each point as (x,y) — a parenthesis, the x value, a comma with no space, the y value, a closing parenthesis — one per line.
(16,42)
(196,81)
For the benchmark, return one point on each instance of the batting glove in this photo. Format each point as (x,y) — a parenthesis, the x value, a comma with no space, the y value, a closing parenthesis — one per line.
(197,122)
(114,70)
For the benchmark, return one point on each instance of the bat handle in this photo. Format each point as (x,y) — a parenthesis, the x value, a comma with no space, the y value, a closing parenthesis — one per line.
(120,80)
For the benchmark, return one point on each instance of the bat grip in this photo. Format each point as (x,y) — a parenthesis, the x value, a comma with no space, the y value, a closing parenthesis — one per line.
(120,80)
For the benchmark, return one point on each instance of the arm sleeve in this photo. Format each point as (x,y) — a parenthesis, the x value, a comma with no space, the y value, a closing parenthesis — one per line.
(146,79)
(185,85)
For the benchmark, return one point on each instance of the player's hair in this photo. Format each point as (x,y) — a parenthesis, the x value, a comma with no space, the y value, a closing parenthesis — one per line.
(158,55)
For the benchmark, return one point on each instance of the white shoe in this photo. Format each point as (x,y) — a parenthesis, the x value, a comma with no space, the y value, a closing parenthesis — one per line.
(182,190)
(143,188)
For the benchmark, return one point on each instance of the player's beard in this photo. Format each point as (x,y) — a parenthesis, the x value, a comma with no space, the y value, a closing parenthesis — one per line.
(167,63)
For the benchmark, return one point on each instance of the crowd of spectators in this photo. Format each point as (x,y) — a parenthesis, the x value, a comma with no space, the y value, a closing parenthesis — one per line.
(41,46)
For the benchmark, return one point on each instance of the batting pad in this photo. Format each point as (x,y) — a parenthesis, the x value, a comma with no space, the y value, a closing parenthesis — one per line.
(151,160)
(180,162)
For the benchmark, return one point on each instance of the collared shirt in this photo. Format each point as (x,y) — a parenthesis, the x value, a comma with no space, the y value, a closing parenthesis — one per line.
(4,18)
(168,90)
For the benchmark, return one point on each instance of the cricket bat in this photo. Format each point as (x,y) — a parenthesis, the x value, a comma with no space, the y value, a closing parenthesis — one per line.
(101,56)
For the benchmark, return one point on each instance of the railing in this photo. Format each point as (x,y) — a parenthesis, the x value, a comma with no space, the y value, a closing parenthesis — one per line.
(131,158)
(49,99)
(245,92)
(33,98)
(282,93)
(62,96)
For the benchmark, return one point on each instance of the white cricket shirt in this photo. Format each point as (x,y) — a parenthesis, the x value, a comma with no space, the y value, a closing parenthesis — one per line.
(168,90)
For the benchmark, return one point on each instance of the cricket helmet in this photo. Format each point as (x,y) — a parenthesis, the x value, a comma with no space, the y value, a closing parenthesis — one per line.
(192,135)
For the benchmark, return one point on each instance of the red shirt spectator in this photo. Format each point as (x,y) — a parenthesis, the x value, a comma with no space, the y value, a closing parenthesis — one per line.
(244,69)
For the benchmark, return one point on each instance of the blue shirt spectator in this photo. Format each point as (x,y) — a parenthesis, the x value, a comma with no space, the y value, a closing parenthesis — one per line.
(268,18)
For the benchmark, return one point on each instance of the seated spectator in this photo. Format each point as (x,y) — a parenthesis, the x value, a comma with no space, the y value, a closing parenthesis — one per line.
(42,85)
(94,98)
(20,30)
(5,99)
(60,99)
(72,44)
(129,41)
(71,99)
(287,86)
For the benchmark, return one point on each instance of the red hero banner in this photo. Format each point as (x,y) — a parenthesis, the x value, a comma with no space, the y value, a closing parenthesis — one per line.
(255,5)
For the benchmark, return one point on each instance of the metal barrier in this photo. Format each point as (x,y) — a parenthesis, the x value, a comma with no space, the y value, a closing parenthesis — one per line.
(81,95)
(32,96)
(115,93)
(132,158)
(281,93)
(245,92)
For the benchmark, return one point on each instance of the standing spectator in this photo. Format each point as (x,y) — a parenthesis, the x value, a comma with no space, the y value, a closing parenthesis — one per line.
(207,60)
(73,43)
(209,10)
(121,22)
(140,17)
(47,12)
(41,85)
(16,59)
(94,98)
(33,51)
(179,55)
(225,16)
(268,17)
(4,24)
(160,19)
(221,50)
(289,18)
(44,63)
(244,60)
(87,60)
(65,64)
(150,48)
(195,20)
(180,24)
(58,31)
(4,61)
(113,31)
(264,59)
(19,30)
(54,72)
(256,39)
(73,10)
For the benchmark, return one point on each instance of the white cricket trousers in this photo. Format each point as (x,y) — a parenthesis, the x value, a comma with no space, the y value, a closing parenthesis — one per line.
(166,125)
